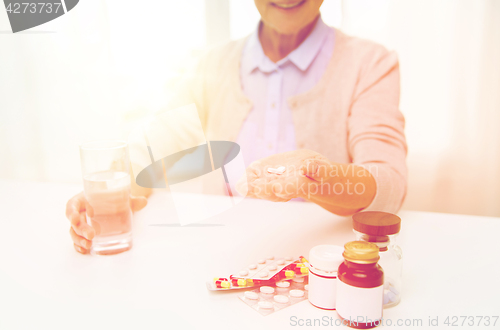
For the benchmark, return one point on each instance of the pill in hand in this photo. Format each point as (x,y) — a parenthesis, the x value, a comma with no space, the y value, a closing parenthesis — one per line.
(280,170)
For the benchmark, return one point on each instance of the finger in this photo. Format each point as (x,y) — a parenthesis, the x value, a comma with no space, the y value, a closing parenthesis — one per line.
(138,203)
(75,205)
(75,212)
(290,186)
(79,240)
(283,192)
(80,249)
(263,189)
(315,169)
(80,226)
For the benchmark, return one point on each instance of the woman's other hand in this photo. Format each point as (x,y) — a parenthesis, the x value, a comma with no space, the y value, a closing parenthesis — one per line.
(81,233)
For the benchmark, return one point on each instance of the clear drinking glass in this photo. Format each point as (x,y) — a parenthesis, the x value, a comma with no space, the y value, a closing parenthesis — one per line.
(106,182)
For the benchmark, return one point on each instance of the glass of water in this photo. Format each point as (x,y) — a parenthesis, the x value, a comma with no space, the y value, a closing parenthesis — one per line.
(106,181)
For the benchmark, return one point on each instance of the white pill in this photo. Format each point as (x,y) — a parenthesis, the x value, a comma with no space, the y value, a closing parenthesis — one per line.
(279,170)
(386,299)
(281,262)
(283,284)
(266,304)
(296,293)
(289,258)
(252,266)
(394,290)
(392,296)
(306,287)
(261,261)
(263,274)
(251,295)
(243,272)
(281,299)
(267,289)
(297,279)
(270,257)
(272,267)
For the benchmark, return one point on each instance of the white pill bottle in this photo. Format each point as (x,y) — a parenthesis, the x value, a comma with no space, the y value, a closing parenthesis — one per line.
(324,262)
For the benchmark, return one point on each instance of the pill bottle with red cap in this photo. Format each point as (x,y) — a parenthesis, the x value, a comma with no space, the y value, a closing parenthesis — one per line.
(324,261)
(360,286)
(382,229)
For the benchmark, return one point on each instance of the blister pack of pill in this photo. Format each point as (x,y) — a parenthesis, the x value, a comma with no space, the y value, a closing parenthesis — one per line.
(265,272)
(269,299)
(267,268)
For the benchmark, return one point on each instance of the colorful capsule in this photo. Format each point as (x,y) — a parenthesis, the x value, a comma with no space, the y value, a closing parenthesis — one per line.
(239,282)
(223,284)
(302,270)
(219,279)
(287,273)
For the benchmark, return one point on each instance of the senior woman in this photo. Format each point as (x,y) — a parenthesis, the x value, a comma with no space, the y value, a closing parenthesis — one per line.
(306,96)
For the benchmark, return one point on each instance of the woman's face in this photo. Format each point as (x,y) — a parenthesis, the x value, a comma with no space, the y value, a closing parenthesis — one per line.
(288,16)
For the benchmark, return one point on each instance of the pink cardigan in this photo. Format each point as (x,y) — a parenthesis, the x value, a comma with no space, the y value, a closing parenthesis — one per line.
(351,116)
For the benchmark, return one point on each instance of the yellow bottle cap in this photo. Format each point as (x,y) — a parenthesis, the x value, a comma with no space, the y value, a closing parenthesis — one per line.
(361,252)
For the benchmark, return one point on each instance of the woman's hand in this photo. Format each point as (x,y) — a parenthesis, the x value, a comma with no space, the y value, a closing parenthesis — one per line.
(302,167)
(82,233)
(343,189)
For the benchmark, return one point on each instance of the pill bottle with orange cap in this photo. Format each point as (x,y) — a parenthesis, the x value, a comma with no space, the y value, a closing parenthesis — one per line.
(382,229)
(360,286)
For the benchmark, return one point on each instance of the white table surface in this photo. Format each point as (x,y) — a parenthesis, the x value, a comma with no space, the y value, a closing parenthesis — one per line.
(451,265)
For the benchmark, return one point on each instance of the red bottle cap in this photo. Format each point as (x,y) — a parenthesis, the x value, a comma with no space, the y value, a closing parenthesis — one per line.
(376,223)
